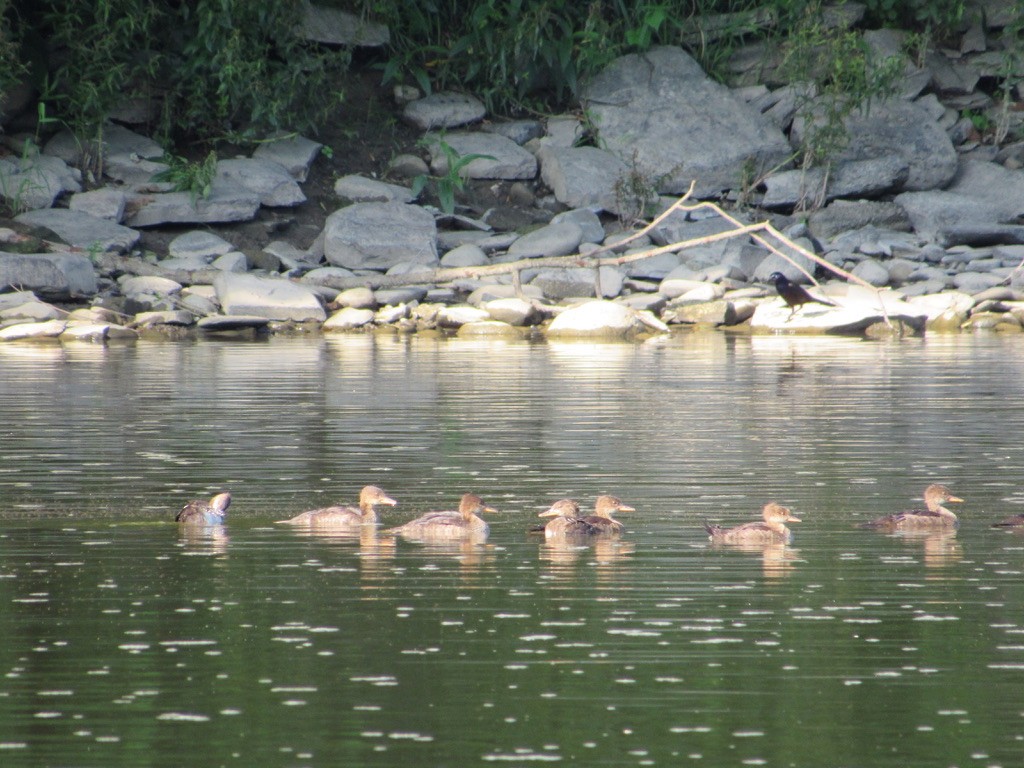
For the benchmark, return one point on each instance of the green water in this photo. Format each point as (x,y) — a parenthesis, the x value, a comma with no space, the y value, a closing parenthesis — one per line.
(127,642)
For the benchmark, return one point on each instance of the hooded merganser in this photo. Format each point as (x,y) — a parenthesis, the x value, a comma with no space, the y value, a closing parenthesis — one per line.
(449,525)
(205,512)
(772,530)
(794,295)
(602,518)
(935,516)
(567,520)
(335,517)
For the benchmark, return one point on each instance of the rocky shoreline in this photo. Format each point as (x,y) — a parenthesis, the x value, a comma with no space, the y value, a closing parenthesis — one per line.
(920,224)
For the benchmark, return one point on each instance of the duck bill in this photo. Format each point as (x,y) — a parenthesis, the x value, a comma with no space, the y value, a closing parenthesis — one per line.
(792,519)
(491,510)
(550,513)
(955,499)
(624,508)
(389,501)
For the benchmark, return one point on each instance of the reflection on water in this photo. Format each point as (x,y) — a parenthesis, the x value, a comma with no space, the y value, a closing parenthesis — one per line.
(130,640)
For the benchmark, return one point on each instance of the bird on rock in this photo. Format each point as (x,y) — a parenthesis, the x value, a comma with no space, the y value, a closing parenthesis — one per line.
(794,295)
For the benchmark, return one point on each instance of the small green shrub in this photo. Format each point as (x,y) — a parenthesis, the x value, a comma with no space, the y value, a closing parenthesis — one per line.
(184,175)
(446,186)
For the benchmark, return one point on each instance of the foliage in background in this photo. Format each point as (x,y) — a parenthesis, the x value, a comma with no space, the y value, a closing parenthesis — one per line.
(453,180)
(216,68)
(196,178)
(839,77)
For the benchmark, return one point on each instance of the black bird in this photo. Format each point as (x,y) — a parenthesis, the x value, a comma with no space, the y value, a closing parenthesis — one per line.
(794,295)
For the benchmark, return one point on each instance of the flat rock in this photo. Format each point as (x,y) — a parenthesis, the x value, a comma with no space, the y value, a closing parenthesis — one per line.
(379,236)
(33,183)
(82,230)
(588,221)
(270,298)
(453,317)
(232,322)
(269,181)
(859,309)
(992,183)
(465,255)
(661,110)
(294,153)
(94,333)
(506,159)
(583,177)
(117,140)
(551,240)
(513,311)
(161,286)
(489,329)
(179,317)
(360,189)
(852,178)
(578,282)
(225,204)
(444,110)
(935,215)
(717,312)
(53,275)
(843,215)
(34,311)
(198,244)
(104,203)
(49,329)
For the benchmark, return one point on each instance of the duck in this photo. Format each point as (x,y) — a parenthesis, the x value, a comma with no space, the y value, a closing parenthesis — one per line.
(205,512)
(772,531)
(567,520)
(346,517)
(462,524)
(934,517)
(602,518)
(1015,522)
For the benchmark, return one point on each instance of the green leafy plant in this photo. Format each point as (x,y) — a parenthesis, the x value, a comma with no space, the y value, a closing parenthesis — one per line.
(842,77)
(453,180)
(184,175)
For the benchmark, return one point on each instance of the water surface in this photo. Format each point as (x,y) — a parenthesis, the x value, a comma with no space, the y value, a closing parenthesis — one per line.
(129,642)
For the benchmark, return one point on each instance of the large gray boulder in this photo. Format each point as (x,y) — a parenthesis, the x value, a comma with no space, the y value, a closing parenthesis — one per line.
(225,203)
(82,230)
(53,275)
(680,125)
(583,177)
(379,236)
(268,180)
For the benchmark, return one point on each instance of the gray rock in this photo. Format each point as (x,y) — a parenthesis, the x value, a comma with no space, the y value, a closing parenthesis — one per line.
(390,315)
(322,275)
(489,329)
(357,298)
(871,271)
(117,140)
(716,312)
(856,178)
(35,182)
(34,311)
(701,294)
(466,255)
(170,317)
(859,308)
(563,131)
(270,298)
(290,256)
(82,230)
(348,318)
(269,181)
(160,286)
(552,240)
(198,244)
(225,204)
(904,129)
(443,110)
(773,262)
(220,323)
(408,166)
(54,275)
(588,222)
(50,329)
(233,261)
(976,282)
(104,203)
(519,131)
(294,153)
(491,292)
(405,295)
(506,159)
(323,24)
(994,184)
(360,189)
(937,215)
(843,215)
(583,177)
(453,317)
(653,267)
(513,311)
(596,319)
(132,169)
(94,333)
(661,109)
(380,235)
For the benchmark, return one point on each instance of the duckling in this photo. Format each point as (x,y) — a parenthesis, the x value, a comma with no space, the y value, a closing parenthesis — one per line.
(449,525)
(567,520)
(205,512)
(337,517)
(602,518)
(772,530)
(935,516)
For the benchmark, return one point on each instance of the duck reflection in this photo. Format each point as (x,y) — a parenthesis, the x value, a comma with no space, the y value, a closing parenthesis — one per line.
(940,548)
(203,539)
(778,559)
